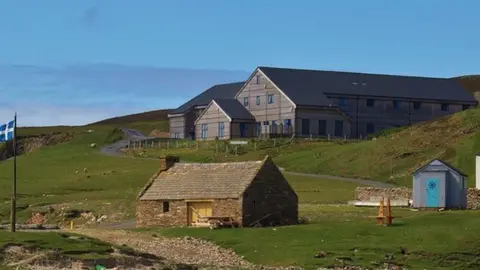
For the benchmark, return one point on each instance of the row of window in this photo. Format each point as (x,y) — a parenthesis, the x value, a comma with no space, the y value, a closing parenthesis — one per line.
(287,123)
(269,100)
(396,104)
(322,127)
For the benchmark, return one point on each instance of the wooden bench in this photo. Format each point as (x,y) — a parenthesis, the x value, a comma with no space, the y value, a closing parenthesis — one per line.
(214,222)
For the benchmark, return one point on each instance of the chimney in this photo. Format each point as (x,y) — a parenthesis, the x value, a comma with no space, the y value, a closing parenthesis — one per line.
(168,161)
(477,171)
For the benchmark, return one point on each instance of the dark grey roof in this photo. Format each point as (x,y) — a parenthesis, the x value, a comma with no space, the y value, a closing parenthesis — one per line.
(234,109)
(228,90)
(309,87)
(444,163)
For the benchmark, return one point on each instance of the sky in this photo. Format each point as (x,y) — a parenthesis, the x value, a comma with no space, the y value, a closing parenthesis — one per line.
(75,62)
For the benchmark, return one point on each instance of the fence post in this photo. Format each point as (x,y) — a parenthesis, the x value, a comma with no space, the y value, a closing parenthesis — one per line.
(196,145)
(152,144)
(345,136)
(255,146)
(310,136)
(328,138)
(274,142)
(176,143)
(168,144)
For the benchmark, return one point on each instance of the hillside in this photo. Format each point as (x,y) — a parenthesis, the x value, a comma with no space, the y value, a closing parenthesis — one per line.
(472,84)
(157,115)
(390,158)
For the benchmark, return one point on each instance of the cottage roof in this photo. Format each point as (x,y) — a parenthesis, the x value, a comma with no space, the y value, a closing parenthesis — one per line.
(309,87)
(228,90)
(234,109)
(441,162)
(202,181)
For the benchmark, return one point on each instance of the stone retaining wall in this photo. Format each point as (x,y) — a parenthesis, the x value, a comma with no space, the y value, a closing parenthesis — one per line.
(403,193)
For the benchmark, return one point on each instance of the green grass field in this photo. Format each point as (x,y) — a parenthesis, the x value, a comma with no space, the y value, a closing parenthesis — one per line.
(432,240)
(71,245)
(54,177)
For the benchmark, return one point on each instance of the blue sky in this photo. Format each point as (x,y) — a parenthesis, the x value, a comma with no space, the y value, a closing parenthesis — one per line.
(73,62)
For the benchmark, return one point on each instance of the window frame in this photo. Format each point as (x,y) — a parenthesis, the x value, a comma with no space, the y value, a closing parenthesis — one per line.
(270,98)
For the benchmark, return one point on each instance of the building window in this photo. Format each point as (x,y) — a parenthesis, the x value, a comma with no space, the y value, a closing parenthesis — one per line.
(270,98)
(258,100)
(245,101)
(176,135)
(258,128)
(166,207)
(221,130)
(342,102)
(370,128)
(265,123)
(338,128)
(396,104)
(465,107)
(257,79)
(417,105)
(322,127)
(444,107)
(370,102)
(204,131)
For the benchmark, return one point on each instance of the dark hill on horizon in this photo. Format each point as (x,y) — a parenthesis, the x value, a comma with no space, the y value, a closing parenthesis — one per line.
(156,115)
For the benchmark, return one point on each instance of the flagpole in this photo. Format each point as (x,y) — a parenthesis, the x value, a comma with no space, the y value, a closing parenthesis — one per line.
(14,189)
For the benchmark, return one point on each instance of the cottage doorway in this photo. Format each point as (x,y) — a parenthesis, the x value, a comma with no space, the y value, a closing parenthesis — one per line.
(198,209)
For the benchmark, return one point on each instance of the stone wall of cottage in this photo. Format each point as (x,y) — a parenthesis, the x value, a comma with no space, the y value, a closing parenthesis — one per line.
(228,208)
(270,200)
(150,214)
(374,194)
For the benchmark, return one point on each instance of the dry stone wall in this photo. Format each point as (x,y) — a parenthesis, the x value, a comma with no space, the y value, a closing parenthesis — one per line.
(403,193)
(150,214)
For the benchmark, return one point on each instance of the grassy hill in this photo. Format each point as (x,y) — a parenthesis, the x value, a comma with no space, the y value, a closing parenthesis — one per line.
(391,158)
(157,115)
(472,84)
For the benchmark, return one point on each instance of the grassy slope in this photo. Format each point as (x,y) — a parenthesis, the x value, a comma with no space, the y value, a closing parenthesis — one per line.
(75,247)
(150,116)
(434,240)
(48,177)
(391,158)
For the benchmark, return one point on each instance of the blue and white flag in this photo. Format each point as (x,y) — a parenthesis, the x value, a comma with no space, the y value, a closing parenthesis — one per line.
(6,131)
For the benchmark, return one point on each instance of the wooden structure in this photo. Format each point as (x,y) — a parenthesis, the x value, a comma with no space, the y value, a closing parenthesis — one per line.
(439,185)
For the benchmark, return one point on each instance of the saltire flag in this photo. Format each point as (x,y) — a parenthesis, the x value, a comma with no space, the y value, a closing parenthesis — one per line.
(6,131)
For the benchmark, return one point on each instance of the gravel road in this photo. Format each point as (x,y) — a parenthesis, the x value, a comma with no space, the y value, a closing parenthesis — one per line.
(186,250)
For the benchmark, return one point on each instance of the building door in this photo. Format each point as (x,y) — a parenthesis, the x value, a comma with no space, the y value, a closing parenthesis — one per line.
(243,130)
(198,209)
(432,192)
(338,128)
(305,126)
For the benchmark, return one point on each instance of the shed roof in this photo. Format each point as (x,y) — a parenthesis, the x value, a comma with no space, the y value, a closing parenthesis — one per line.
(441,162)
(228,90)
(309,87)
(234,109)
(185,181)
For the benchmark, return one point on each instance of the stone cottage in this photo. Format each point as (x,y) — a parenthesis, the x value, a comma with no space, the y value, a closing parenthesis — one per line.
(248,192)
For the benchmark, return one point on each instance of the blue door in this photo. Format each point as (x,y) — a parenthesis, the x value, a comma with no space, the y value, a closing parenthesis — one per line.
(432,193)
